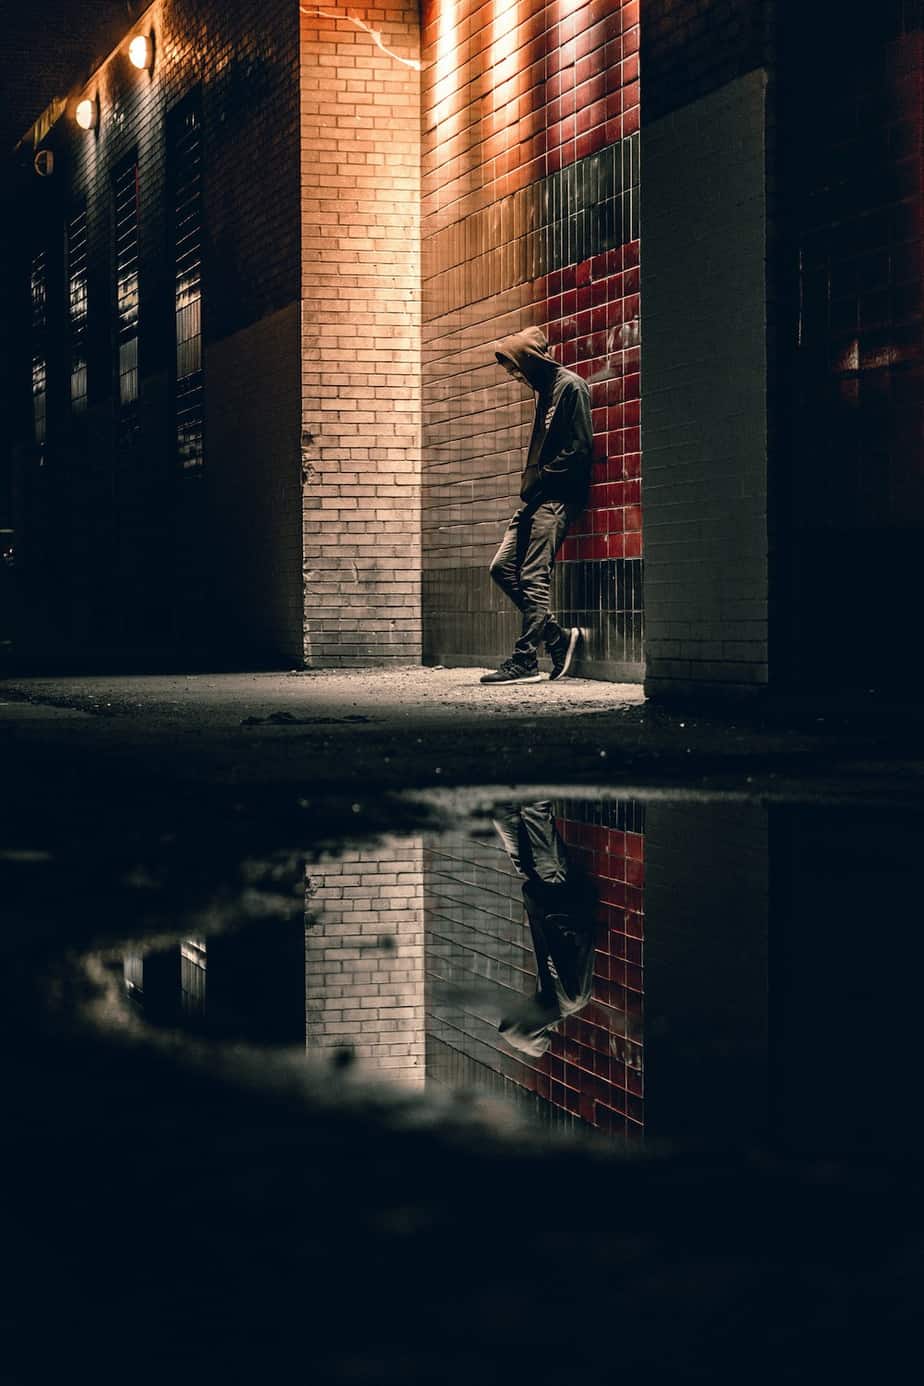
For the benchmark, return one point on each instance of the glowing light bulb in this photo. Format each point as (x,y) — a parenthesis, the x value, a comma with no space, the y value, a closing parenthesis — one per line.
(140,51)
(85,115)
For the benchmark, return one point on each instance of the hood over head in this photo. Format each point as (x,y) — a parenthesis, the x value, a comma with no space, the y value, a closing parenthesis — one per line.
(529,352)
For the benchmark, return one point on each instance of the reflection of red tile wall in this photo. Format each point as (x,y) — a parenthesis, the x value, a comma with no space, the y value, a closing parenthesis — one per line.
(594,1067)
(512,94)
(478,940)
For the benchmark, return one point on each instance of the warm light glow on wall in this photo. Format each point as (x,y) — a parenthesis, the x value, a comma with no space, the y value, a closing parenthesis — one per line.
(447,74)
(141,52)
(85,114)
(504,39)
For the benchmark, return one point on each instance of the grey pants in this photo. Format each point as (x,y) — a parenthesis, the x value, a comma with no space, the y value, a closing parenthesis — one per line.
(522,568)
(531,841)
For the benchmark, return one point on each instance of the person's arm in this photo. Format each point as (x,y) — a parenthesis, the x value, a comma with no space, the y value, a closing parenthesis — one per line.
(573,424)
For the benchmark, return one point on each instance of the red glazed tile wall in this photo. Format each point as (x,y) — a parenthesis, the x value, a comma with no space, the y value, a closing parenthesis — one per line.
(529,216)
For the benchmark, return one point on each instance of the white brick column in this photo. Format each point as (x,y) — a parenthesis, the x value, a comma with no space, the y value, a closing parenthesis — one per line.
(364,958)
(360,186)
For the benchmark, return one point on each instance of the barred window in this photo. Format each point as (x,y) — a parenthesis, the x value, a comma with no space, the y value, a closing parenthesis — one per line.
(186,166)
(127,298)
(193,971)
(39,290)
(77,307)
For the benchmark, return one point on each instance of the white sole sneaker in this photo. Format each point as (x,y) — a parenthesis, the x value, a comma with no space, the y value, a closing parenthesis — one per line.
(506,683)
(565,669)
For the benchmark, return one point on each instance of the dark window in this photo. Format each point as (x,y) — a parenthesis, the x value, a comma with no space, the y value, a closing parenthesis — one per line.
(39,287)
(186,161)
(193,968)
(127,300)
(77,307)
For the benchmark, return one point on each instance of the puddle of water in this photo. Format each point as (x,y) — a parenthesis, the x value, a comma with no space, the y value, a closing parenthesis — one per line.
(259,1054)
(675,975)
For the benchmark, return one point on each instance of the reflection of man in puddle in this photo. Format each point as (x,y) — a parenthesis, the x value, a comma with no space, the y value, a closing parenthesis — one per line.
(560,904)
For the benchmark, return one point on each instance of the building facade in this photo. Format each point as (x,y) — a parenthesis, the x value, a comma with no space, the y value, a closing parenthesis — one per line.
(251,402)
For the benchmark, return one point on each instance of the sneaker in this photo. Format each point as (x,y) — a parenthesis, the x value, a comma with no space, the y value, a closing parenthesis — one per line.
(562,652)
(512,671)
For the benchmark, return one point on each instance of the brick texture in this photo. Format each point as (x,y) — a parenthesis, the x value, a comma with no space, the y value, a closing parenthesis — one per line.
(360,146)
(849,484)
(122,550)
(479,952)
(530,216)
(34,71)
(693,47)
(705,422)
(364,963)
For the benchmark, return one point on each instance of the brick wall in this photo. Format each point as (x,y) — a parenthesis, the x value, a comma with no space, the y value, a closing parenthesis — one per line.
(255,507)
(479,956)
(850,485)
(364,963)
(127,550)
(705,420)
(693,47)
(360,333)
(530,215)
(32,72)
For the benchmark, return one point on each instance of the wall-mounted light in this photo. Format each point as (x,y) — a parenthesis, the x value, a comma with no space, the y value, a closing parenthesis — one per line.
(141,52)
(87,113)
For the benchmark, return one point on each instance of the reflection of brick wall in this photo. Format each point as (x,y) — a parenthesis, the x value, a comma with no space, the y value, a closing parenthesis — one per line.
(364,966)
(530,215)
(360,334)
(479,951)
(706,965)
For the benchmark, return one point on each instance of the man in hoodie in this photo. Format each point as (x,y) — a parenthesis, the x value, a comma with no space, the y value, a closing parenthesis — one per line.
(553,489)
(560,904)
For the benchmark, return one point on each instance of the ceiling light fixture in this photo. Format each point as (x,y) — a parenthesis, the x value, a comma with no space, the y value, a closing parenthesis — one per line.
(141,52)
(86,113)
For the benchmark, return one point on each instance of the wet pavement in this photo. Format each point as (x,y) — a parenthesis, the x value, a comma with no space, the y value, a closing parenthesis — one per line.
(331,1050)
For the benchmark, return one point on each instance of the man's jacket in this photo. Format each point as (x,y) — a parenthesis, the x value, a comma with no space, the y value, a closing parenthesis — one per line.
(560,450)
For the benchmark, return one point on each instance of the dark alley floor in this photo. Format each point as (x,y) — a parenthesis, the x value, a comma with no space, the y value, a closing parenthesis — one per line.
(187,1209)
(410,728)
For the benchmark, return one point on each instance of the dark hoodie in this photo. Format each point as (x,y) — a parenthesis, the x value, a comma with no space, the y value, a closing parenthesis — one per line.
(561,447)
(562,924)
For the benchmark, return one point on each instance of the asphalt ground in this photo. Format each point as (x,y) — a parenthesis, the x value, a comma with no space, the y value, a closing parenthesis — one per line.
(335,732)
(189,1211)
